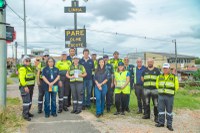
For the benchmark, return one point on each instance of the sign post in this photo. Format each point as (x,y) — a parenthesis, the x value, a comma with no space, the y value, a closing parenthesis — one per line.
(75,38)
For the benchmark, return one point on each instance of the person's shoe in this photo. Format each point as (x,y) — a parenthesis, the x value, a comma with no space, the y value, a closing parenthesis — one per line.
(46,116)
(54,115)
(156,119)
(27,118)
(98,115)
(39,111)
(30,115)
(83,108)
(59,111)
(66,109)
(78,112)
(159,125)
(108,110)
(122,113)
(73,111)
(146,117)
(116,113)
(139,112)
(170,128)
(128,110)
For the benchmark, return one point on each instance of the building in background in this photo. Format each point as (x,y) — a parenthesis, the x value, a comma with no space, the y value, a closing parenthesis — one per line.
(183,61)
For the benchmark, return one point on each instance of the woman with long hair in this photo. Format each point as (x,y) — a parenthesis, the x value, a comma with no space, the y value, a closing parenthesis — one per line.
(50,76)
(100,79)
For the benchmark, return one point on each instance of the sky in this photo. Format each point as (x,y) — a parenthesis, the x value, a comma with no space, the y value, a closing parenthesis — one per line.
(127,26)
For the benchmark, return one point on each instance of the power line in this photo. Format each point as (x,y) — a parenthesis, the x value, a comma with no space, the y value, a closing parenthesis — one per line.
(15,12)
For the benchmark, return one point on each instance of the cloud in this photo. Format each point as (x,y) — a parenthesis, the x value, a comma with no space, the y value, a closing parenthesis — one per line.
(118,10)
(193,33)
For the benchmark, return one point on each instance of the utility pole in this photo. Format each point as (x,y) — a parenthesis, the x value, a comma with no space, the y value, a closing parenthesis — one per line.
(25,39)
(103,51)
(16,45)
(75,23)
(3,58)
(175,55)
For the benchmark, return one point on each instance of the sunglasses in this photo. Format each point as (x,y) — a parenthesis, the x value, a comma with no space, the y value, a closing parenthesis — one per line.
(38,60)
(46,56)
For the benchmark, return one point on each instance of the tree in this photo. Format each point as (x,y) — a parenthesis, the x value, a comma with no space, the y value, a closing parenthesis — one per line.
(197,61)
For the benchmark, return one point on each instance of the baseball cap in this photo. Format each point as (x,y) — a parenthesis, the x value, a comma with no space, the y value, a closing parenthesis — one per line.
(75,57)
(116,52)
(166,65)
(120,64)
(26,58)
(64,52)
(45,53)
(105,56)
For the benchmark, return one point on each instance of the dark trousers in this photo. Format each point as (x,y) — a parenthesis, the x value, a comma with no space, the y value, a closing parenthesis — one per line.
(165,102)
(151,93)
(66,91)
(109,95)
(60,95)
(40,95)
(87,87)
(27,100)
(121,101)
(50,97)
(77,95)
(139,92)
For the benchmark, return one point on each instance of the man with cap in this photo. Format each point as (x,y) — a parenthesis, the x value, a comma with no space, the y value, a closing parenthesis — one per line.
(115,60)
(130,68)
(26,86)
(110,83)
(41,91)
(76,74)
(167,84)
(63,65)
(94,58)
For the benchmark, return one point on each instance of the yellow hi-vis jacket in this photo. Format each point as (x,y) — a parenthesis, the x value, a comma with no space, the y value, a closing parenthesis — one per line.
(114,63)
(121,80)
(95,66)
(40,67)
(63,66)
(167,84)
(72,70)
(26,76)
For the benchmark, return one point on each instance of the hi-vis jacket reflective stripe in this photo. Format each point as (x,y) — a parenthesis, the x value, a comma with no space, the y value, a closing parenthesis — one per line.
(166,84)
(114,63)
(63,66)
(26,76)
(150,80)
(40,67)
(72,70)
(121,80)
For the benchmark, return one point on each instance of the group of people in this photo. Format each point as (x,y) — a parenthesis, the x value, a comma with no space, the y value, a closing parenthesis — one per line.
(106,80)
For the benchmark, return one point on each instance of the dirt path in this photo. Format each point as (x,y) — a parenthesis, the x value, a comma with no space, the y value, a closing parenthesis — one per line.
(185,121)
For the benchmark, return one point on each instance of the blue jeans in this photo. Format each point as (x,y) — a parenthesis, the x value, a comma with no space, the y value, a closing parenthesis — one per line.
(87,85)
(100,99)
(49,95)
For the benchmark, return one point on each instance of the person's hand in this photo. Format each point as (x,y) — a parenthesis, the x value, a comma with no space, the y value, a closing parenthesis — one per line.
(122,87)
(60,84)
(72,77)
(98,85)
(26,89)
(38,83)
(80,75)
(50,84)
(100,88)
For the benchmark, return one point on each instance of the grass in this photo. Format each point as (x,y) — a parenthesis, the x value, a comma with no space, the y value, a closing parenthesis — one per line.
(186,98)
(10,118)
(13,75)
(9,81)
